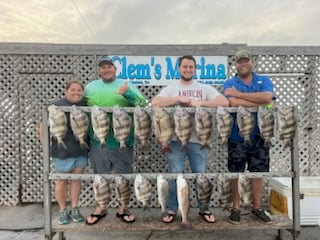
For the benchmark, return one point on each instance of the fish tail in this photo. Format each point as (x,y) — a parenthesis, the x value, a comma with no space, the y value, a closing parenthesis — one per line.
(84,145)
(166,149)
(103,144)
(61,144)
(205,146)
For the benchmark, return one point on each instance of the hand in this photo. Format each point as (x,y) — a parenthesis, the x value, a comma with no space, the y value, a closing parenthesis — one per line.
(185,101)
(232,92)
(123,88)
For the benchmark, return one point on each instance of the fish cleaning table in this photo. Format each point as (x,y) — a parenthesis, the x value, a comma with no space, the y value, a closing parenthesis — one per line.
(151,221)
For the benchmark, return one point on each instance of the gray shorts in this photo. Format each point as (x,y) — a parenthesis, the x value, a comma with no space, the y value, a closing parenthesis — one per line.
(110,160)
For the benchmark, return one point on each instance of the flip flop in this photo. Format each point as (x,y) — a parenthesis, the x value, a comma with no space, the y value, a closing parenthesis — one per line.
(123,215)
(172,215)
(98,218)
(208,214)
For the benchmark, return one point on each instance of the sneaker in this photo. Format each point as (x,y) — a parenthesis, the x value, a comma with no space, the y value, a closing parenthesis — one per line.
(234,217)
(261,215)
(63,217)
(75,215)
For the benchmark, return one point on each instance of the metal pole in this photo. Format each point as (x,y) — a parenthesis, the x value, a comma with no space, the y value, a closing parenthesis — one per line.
(46,180)
(295,182)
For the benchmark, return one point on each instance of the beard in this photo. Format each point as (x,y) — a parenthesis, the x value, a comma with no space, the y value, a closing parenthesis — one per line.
(187,79)
(107,80)
(244,75)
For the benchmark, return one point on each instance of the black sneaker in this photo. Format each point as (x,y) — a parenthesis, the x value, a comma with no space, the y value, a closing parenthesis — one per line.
(234,217)
(261,215)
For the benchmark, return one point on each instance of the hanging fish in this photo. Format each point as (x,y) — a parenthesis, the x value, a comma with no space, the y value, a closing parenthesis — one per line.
(164,127)
(203,126)
(245,123)
(123,190)
(183,195)
(102,191)
(204,190)
(224,123)
(121,125)
(182,126)
(245,190)
(143,188)
(142,126)
(266,124)
(163,192)
(58,124)
(225,192)
(285,124)
(100,124)
(79,122)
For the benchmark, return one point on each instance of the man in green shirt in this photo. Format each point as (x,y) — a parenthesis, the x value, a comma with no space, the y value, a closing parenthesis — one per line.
(109,91)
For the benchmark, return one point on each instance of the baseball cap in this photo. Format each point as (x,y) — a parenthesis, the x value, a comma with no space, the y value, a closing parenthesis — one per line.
(105,59)
(242,54)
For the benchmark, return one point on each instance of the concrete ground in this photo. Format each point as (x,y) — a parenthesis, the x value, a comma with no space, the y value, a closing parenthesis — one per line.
(27,223)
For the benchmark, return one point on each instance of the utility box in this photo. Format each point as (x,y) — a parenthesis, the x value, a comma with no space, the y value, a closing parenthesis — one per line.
(280,198)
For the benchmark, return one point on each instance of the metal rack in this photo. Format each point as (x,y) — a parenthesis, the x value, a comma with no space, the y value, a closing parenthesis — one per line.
(281,223)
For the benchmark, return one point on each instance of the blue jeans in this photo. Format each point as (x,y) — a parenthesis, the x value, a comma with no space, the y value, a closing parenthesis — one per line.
(106,160)
(197,160)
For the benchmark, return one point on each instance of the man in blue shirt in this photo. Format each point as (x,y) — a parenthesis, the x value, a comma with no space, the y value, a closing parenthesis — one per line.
(248,89)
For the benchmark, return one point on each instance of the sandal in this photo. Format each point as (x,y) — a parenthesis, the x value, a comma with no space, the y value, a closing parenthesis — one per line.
(124,215)
(172,217)
(207,215)
(98,218)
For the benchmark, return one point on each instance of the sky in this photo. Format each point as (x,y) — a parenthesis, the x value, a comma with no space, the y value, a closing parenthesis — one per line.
(252,22)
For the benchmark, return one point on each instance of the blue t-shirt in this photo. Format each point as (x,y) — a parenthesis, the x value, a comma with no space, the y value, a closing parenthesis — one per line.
(258,84)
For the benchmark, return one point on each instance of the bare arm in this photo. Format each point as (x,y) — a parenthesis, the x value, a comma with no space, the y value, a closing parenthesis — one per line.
(40,132)
(235,102)
(170,101)
(254,97)
(219,100)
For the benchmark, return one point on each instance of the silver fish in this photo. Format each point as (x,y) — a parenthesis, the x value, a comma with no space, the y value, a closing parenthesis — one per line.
(143,192)
(121,125)
(225,192)
(203,126)
(224,123)
(285,124)
(183,194)
(182,126)
(245,190)
(164,127)
(163,192)
(204,190)
(102,191)
(79,122)
(57,124)
(266,124)
(100,124)
(142,126)
(123,190)
(245,123)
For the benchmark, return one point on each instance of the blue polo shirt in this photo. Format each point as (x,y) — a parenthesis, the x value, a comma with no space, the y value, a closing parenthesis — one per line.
(259,84)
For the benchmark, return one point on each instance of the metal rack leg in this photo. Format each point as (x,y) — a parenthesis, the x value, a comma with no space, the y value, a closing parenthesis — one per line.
(280,234)
(61,236)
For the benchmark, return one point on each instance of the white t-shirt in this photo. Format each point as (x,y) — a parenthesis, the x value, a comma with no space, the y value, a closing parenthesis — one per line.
(195,91)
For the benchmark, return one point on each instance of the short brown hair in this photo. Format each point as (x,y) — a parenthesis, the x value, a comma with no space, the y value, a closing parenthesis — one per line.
(74,80)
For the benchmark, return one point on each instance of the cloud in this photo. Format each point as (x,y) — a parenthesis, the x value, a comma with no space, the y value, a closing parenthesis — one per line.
(253,22)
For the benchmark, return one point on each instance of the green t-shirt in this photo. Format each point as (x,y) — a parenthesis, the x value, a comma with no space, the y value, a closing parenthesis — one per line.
(104,94)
